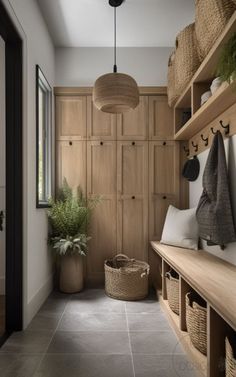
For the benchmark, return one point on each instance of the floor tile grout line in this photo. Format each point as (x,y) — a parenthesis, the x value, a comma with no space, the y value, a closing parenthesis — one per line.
(50,341)
(131,353)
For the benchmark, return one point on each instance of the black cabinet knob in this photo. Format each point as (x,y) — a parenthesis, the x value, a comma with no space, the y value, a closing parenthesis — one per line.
(70,143)
(133,197)
(133,142)
(164,143)
(101,143)
(164,197)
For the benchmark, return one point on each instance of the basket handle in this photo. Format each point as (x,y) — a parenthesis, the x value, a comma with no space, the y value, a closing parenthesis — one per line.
(145,273)
(120,256)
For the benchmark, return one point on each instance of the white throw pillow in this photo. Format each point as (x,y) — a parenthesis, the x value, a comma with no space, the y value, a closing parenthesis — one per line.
(181,228)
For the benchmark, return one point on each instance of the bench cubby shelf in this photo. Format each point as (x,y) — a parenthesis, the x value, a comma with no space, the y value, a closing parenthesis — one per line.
(220,101)
(215,281)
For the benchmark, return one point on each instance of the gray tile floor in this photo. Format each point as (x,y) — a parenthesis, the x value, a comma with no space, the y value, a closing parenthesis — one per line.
(91,335)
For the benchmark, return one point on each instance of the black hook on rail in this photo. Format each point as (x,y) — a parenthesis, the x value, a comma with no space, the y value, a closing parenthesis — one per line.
(186,151)
(226,128)
(205,139)
(195,146)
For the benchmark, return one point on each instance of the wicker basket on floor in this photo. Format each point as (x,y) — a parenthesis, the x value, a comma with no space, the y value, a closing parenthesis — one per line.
(196,319)
(211,19)
(171,90)
(186,58)
(172,287)
(230,360)
(125,278)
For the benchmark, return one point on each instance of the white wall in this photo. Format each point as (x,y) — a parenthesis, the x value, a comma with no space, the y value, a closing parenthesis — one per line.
(229,253)
(2,163)
(38,49)
(82,66)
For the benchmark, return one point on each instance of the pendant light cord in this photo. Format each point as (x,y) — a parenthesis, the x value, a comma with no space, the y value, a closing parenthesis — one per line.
(115,66)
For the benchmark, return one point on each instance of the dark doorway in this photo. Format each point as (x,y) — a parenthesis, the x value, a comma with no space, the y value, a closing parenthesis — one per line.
(14,172)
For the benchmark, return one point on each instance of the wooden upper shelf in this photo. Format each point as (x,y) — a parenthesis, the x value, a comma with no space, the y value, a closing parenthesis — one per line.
(221,100)
(213,278)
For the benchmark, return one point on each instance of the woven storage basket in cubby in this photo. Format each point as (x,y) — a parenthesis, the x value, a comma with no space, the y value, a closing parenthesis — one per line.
(171,90)
(230,360)
(172,287)
(125,278)
(196,319)
(186,58)
(211,19)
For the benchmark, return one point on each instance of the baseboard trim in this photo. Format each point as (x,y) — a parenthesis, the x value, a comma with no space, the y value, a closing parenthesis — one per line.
(37,301)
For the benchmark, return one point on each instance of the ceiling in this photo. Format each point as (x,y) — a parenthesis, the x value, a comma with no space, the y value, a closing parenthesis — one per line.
(140,23)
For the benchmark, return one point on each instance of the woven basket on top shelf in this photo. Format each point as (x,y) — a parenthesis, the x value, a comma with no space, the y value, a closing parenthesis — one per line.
(196,319)
(172,287)
(230,360)
(186,58)
(171,90)
(211,19)
(125,278)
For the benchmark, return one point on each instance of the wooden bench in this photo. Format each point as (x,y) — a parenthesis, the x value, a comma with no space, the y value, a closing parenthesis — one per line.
(213,279)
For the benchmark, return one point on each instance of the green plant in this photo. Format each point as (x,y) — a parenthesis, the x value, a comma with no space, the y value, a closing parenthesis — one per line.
(226,68)
(69,215)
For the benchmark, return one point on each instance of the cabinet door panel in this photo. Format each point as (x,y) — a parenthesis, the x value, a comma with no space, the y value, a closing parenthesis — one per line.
(101,171)
(71,164)
(70,117)
(161,124)
(132,227)
(163,183)
(132,168)
(101,126)
(132,178)
(101,158)
(134,123)
(103,242)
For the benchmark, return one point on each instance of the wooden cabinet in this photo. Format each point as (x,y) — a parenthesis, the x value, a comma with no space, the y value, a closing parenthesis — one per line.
(129,160)
(161,124)
(132,182)
(101,178)
(71,163)
(133,125)
(163,183)
(71,117)
(100,125)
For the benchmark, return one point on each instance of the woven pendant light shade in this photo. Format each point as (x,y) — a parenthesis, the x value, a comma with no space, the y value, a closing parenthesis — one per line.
(115,93)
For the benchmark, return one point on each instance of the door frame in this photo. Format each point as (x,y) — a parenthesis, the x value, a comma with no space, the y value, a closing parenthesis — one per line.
(14,169)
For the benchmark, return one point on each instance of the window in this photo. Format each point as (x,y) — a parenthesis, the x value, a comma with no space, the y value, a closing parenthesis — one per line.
(44,139)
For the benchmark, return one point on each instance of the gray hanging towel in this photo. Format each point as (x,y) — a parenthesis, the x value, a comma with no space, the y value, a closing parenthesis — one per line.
(214,212)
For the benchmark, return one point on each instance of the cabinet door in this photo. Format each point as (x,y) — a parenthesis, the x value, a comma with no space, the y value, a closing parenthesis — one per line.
(71,117)
(101,170)
(161,123)
(101,126)
(71,163)
(132,216)
(163,183)
(133,124)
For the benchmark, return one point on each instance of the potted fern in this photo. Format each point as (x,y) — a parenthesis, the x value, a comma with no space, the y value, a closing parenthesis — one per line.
(226,68)
(69,216)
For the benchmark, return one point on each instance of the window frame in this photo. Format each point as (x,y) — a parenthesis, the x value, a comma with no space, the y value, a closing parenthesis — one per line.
(41,82)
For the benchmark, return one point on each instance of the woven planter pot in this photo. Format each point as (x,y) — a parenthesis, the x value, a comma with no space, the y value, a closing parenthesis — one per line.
(186,58)
(230,360)
(125,278)
(172,287)
(171,90)
(196,319)
(211,19)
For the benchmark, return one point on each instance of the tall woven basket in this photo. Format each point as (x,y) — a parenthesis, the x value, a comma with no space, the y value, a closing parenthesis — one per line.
(211,19)
(186,58)
(196,319)
(230,360)
(125,278)
(171,90)
(172,287)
